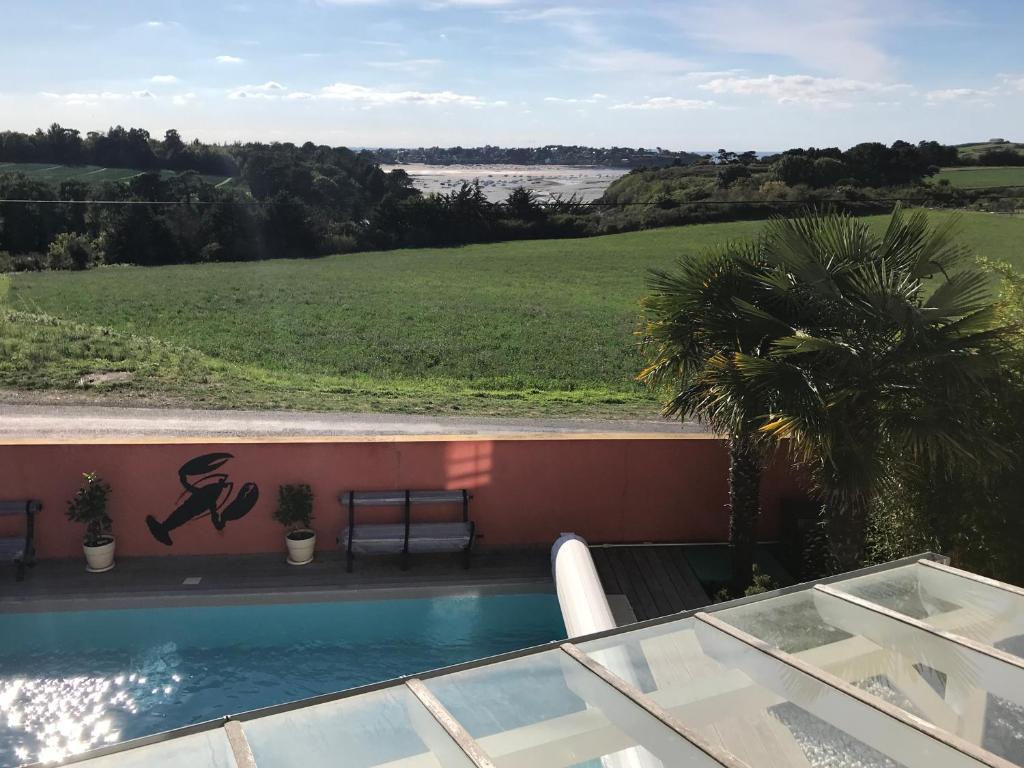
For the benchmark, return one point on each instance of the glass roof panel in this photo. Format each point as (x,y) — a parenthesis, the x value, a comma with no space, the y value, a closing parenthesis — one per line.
(756,707)
(976,697)
(957,604)
(208,749)
(548,710)
(387,727)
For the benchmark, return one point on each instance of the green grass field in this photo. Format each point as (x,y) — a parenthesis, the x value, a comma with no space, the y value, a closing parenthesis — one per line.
(92,174)
(979,177)
(540,327)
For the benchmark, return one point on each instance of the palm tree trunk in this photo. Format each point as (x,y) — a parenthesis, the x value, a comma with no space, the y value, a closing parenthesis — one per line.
(744,509)
(846,526)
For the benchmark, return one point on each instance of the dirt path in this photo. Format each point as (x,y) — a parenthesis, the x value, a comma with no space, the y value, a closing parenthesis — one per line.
(89,421)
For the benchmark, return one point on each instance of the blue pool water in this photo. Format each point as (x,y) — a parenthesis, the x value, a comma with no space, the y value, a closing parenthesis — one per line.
(75,680)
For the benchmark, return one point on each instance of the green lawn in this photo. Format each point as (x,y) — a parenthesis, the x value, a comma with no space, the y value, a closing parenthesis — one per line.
(92,174)
(513,328)
(977,177)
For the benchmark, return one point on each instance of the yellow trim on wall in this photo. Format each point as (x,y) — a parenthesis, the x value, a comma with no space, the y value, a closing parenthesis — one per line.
(315,439)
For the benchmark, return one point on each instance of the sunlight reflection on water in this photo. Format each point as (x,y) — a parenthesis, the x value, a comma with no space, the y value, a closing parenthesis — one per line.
(50,718)
(77,680)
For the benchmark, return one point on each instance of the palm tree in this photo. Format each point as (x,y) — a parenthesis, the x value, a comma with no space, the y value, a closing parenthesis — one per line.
(864,354)
(893,343)
(697,328)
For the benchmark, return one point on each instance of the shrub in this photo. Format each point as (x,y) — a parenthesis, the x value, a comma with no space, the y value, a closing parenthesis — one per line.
(294,506)
(972,512)
(89,506)
(70,250)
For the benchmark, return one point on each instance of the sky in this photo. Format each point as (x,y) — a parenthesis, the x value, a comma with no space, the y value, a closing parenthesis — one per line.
(695,75)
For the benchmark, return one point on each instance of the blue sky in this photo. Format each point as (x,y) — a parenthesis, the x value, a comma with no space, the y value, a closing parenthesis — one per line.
(742,74)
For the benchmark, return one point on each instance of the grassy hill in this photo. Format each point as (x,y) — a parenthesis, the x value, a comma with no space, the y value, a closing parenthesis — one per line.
(542,327)
(974,149)
(980,177)
(90,174)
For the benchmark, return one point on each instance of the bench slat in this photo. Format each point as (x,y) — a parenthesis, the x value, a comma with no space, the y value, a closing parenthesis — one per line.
(407,536)
(396,498)
(385,538)
(11,549)
(16,507)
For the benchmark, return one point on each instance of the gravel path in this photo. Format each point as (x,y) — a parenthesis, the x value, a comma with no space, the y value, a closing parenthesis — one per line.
(89,421)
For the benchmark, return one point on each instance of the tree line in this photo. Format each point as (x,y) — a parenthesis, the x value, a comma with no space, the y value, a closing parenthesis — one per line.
(285,200)
(869,164)
(118,147)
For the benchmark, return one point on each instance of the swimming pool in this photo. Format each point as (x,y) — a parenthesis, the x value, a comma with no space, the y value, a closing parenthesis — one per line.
(76,680)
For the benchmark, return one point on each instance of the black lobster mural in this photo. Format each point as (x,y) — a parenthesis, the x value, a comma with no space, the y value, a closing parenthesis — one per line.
(207,492)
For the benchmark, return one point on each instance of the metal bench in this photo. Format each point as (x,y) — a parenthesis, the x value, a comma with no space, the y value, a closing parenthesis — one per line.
(407,536)
(21,550)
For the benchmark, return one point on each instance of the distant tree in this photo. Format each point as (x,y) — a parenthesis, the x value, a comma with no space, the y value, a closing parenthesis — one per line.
(289,230)
(1001,157)
(794,169)
(730,173)
(523,204)
(939,155)
(172,148)
(63,145)
(827,171)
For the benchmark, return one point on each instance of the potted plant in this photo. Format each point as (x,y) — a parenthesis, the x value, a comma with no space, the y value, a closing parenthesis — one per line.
(295,511)
(89,506)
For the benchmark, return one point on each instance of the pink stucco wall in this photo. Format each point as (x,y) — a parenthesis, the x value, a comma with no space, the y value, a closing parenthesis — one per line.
(526,490)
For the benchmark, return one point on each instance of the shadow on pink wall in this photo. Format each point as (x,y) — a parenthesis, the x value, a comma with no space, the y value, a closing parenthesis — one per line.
(525,490)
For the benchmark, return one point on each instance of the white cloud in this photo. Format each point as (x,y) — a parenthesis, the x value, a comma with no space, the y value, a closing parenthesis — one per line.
(268,90)
(405,65)
(183,99)
(162,79)
(91,99)
(627,60)
(801,89)
(592,99)
(834,37)
(594,50)
(1013,82)
(224,59)
(438,4)
(666,102)
(558,13)
(959,95)
(379,97)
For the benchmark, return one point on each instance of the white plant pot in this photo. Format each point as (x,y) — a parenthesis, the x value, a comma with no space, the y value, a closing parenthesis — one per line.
(300,551)
(101,558)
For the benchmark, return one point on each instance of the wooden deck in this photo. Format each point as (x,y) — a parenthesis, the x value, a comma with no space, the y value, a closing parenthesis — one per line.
(656,580)
(202,577)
